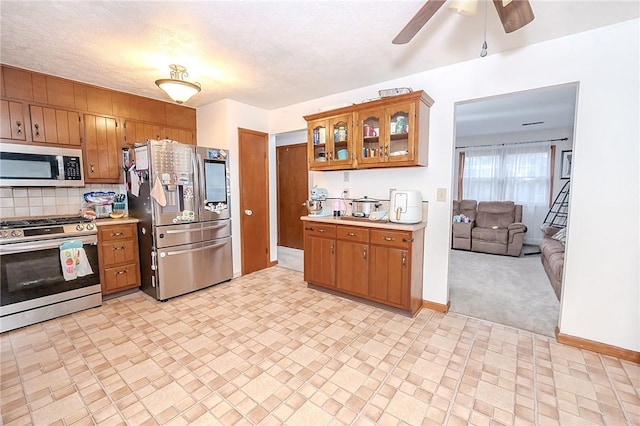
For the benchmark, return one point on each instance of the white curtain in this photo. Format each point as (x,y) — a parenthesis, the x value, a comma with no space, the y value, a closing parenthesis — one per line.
(517,172)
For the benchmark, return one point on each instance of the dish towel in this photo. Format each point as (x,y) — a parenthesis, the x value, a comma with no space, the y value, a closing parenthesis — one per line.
(73,260)
(158,193)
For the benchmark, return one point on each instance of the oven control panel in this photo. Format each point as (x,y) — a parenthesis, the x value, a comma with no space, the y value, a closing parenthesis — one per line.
(33,230)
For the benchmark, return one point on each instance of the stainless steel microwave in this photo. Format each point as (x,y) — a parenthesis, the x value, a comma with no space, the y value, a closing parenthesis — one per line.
(30,165)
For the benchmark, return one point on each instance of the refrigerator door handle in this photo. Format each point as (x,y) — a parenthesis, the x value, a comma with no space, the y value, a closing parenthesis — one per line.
(173,253)
(201,186)
(182,231)
(213,228)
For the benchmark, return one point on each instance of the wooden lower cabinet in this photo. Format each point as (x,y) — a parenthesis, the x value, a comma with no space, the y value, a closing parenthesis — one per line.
(353,260)
(320,254)
(118,257)
(381,265)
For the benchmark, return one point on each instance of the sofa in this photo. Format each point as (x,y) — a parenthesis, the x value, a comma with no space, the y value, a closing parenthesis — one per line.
(488,227)
(552,256)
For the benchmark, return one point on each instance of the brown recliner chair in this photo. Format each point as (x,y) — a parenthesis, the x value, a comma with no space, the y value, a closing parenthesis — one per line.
(498,228)
(461,231)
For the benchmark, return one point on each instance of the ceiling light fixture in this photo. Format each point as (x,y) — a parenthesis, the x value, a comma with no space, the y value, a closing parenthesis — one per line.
(464,7)
(176,87)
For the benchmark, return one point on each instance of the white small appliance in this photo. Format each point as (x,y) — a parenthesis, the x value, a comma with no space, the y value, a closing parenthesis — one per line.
(317,204)
(405,206)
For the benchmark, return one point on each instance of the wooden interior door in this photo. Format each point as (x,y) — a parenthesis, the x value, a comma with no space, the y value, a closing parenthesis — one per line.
(293,190)
(254,200)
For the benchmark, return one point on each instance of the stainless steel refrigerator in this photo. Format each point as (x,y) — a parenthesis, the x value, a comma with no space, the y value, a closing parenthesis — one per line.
(181,196)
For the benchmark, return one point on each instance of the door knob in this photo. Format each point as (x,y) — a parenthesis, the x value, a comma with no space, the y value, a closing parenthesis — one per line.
(248,212)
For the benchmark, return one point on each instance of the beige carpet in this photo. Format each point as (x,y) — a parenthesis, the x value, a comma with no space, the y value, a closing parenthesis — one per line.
(513,291)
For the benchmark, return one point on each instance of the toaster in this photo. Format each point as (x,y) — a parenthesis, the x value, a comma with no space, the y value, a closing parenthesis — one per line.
(405,206)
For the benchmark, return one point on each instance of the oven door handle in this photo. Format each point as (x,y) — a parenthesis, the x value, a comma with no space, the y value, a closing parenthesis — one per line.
(43,245)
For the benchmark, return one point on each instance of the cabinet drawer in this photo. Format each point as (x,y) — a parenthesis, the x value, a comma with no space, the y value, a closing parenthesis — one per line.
(118,252)
(120,276)
(398,239)
(118,232)
(350,233)
(320,230)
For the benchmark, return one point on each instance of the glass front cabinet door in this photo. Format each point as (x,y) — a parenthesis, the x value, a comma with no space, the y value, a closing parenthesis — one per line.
(332,142)
(371,137)
(400,121)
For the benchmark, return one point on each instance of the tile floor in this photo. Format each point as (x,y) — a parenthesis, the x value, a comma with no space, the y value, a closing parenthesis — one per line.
(265,349)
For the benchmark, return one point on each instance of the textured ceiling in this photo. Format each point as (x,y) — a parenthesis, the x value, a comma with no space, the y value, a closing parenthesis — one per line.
(264,53)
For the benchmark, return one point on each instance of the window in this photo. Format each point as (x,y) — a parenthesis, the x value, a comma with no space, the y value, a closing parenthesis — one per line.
(517,172)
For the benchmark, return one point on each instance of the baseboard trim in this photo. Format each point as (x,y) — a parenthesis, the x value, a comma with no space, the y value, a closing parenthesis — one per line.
(272,263)
(438,307)
(601,348)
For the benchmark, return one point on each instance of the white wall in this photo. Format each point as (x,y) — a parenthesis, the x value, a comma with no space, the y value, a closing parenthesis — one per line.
(218,125)
(601,298)
(601,295)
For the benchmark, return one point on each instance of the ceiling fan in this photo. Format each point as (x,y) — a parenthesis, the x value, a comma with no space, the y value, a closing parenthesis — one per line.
(514,14)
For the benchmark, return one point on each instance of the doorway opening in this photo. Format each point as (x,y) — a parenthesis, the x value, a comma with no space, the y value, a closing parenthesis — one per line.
(489,132)
(292,178)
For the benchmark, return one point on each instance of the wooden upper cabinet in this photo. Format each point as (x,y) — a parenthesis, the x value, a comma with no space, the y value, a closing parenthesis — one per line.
(138,131)
(180,135)
(54,126)
(17,83)
(47,109)
(3,93)
(151,110)
(180,116)
(60,92)
(99,101)
(122,104)
(388,132)
(101,149)
(12,121)
(39,84)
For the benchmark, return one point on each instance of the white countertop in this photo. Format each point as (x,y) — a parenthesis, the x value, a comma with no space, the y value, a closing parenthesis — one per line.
(351,221)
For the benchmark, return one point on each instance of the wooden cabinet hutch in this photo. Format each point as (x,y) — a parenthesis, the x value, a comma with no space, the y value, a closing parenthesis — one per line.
(388,132)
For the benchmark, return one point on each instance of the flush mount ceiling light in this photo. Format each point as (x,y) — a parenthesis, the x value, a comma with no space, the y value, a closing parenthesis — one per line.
(176,87)
(464,7)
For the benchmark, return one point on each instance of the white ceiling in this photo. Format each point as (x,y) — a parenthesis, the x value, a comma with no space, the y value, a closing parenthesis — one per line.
(267,54)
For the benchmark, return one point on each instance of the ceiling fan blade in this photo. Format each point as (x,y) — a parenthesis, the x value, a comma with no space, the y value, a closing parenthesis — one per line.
(419,19)
(515,15)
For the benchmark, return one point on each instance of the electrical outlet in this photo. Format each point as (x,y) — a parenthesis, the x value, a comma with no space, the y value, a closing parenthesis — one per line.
(345,193)
(346,177)
(441,194)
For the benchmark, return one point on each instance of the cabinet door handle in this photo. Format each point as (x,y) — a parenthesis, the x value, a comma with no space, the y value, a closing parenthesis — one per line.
(332,248)
(404,260)
(352,234)
(321,230)
(37,127)
(389,239)
(308,229)
(92,168)
(19,126)
(116,234)
(121,272)
(118,248)
(407,240)
(364,254)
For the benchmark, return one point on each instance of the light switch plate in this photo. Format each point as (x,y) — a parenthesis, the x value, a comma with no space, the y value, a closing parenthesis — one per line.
(442,194)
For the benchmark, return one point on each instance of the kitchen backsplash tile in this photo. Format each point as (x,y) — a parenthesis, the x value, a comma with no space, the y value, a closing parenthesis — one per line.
(28,202)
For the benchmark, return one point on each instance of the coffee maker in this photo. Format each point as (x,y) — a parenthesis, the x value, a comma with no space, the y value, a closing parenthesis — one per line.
(317,204)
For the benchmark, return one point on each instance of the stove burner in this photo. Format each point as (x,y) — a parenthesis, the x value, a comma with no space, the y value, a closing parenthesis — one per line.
(35,222)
